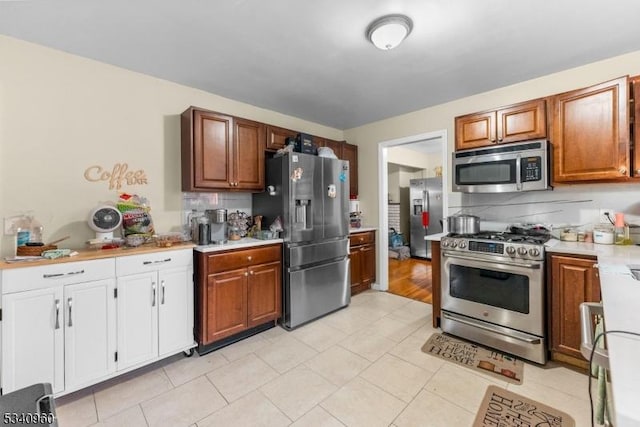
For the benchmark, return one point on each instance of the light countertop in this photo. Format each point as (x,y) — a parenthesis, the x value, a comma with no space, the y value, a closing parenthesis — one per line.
(621,299)
(91,254)
(435,237)
(361,229)
(246,242)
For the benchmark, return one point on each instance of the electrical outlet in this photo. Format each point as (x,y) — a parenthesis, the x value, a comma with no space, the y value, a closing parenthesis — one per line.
(603,216)
(10,226)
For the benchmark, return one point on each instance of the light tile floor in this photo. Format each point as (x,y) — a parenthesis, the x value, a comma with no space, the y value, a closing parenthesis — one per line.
(360,366)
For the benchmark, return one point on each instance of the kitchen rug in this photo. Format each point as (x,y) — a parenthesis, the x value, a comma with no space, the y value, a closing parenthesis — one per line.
(504,408)
(503,366)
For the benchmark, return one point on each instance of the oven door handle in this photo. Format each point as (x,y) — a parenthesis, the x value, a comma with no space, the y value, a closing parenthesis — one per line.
(471,258)
(490,329)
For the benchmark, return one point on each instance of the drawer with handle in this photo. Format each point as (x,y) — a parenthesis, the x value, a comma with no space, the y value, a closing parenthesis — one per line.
(40,277)
(231,260)
(134,264)
(356,239)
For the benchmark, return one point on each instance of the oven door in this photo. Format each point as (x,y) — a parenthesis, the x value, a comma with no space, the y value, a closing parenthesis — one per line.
(493,289)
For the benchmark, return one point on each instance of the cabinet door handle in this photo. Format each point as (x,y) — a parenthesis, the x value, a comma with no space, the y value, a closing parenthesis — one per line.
(160,261)
(623,170)
(246,274)
(57,326)
(249,258)
(163,291)
(251,272)
(70,304)
(73,273)
(153,294)
(596,266)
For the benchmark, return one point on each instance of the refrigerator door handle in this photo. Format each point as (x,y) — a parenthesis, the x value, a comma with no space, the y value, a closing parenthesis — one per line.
(425,204)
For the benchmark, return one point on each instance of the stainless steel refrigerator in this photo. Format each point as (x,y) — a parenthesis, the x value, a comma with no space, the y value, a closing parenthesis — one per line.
(311,197)
(425,199)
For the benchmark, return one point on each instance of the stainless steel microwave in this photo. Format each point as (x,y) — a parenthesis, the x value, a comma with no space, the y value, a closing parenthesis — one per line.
(506,168)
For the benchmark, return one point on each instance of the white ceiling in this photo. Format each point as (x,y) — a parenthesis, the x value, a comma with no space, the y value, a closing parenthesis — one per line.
(310,59)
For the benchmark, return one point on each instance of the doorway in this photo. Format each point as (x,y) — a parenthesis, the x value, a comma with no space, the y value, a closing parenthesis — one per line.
(419,156)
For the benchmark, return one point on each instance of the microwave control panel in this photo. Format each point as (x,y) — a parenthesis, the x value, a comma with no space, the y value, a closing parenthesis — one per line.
(531,169)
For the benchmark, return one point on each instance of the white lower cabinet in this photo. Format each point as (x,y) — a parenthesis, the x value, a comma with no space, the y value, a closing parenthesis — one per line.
(58,325)
(89,332)
(155,307)
(32,339)
(75,324)
(137,319)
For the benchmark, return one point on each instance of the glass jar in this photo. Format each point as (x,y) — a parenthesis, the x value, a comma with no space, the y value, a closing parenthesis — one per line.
(234,232)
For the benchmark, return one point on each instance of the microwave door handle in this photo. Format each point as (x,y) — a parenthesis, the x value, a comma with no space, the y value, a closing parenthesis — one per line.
(518,172)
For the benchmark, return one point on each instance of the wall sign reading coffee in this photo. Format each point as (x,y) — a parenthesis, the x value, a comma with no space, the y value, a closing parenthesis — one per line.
(117,176)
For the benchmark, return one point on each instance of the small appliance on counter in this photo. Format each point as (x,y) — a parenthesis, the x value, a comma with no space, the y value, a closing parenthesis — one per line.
(355,215)
(218,225)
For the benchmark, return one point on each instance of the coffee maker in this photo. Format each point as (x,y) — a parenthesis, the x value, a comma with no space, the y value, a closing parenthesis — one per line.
(218,225)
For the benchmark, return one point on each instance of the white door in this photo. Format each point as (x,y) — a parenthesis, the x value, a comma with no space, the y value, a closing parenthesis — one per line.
(137,304)
(90,332)
(175,310)
(33,339)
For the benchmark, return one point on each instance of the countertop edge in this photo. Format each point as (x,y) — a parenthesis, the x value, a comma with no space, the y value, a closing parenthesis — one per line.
(93,254)
(238,244)
(361,229)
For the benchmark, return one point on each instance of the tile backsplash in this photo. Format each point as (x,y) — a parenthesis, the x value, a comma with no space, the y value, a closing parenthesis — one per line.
(577,205)
(203,201)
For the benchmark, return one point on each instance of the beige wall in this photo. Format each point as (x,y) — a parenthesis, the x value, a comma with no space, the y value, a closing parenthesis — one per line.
(60,114)
(441,116)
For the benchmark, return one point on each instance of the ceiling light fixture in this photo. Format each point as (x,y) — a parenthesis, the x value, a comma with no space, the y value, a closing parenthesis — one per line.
(388,31)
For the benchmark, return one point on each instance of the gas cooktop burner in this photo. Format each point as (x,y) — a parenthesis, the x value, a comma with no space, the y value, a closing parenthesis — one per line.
(503,236)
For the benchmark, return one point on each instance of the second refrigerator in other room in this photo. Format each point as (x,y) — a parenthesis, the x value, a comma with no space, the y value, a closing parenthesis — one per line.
(425,202)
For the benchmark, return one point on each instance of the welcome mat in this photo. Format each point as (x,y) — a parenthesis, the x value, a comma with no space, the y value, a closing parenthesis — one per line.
(504,408)
(502,366)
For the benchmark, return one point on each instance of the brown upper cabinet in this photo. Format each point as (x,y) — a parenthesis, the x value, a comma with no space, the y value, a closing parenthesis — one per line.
(276,137)
(350,153)
(519,122)
(590,133)
(221,152)
(635,123)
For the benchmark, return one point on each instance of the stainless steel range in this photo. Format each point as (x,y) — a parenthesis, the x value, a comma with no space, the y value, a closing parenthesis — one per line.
(493,291)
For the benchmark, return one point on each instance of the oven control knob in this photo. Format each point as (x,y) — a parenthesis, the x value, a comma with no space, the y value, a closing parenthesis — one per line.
(522,251)
(511,250)
(445,242)
(453,244)
(462,244)
(534,252)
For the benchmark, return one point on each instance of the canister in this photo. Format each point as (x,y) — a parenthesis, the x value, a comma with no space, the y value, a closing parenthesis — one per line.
(603,236)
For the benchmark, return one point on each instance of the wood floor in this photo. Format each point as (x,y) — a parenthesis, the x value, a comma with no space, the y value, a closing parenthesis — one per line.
(410,278)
